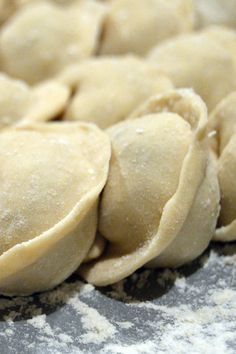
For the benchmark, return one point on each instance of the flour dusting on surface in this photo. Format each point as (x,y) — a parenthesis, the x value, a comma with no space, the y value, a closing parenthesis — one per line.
(188,310)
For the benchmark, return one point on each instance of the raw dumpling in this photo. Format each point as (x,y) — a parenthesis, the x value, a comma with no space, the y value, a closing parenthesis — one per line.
(20,104)
(51,178)
(223,123)
(136,26)
(161,200)
(204,61)
(107,90)
(43,38)
(221,12)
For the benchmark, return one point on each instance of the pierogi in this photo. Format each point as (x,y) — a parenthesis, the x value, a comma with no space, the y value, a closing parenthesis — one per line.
(204,61)
(44,37)
(136,26)
(107,90)
(161,201)
(51,178)
(22,104)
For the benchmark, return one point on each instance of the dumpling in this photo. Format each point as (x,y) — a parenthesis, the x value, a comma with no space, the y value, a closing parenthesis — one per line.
(43,38)
(204,61)
(51,178)
(223,123)
(21,104)
(221,12)
(161,200)
(107,90)
(136,26)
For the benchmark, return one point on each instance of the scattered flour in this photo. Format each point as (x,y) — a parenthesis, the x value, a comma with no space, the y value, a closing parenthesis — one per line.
(194,312)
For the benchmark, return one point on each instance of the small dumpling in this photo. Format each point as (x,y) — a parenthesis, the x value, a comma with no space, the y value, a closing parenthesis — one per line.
(107,90)
(161,200)
(43,38)
(221,12)
(223,129)
(136,26)
(21,104)
(204,61)
(51,178)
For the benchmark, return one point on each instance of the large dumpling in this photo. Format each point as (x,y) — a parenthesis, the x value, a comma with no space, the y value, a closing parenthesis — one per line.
(43,38)
(161,200)
(221,12)
(21,104)
(136,26)
(51,178)
(204,61)
(223,124)
(107,90)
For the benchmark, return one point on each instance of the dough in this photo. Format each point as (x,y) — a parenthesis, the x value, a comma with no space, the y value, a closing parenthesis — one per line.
(221,12)
(204,61)
(21,104)
(43,38)
(107,90)
(136,26)
(51,178)
(223,122)
(161,200)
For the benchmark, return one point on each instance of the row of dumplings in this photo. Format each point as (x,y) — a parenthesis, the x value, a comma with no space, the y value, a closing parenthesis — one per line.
(145,192)
(38,39)
(107,163)
(106,89)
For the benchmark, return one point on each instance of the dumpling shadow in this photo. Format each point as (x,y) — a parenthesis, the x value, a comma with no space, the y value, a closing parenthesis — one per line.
(150,284)
(22,308)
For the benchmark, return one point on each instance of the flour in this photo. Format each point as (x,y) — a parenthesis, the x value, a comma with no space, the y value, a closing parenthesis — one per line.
(188,310)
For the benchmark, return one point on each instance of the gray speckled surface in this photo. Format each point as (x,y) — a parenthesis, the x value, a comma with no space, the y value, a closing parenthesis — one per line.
(146,312)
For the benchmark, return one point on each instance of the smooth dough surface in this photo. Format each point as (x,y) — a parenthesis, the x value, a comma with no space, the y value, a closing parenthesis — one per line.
(107,90)
(43,38)
(51,178)
(136,26)
(21,104)
(220,12)
(204,61)
(223,123)
(158,181)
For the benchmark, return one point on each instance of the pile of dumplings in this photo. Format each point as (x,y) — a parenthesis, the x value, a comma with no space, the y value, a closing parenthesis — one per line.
(117,137)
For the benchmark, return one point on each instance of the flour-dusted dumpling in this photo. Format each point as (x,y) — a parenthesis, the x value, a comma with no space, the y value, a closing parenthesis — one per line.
(223,123)
(21,104)
(51,178)
(107,90)
(43,38)
(136,26)
(215,12)
(161,199)
(204,61)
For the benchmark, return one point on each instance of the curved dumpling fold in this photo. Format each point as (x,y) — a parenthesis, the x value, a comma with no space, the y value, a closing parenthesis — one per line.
(107,90)
(161,200)
(43,38)
(204,61)
(223,123)
(20,103)
(136,26)
(51,178)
